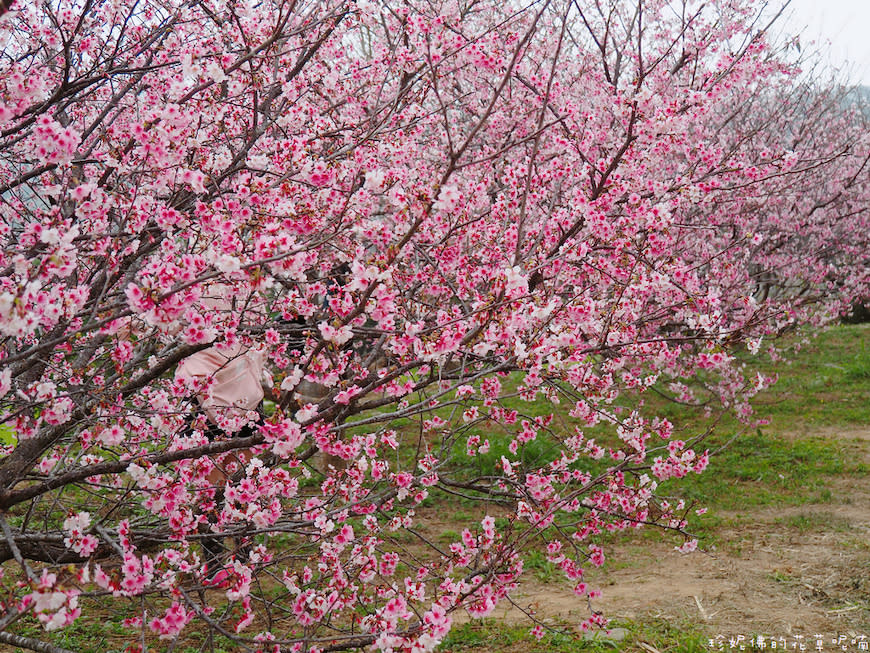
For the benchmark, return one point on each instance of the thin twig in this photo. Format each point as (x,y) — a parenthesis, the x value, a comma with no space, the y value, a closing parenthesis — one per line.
(16,552)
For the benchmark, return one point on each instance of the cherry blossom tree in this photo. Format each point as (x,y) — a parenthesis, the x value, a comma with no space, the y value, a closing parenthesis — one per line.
(466,236)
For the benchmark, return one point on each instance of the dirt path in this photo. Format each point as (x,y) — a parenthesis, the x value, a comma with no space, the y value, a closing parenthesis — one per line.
(799,570)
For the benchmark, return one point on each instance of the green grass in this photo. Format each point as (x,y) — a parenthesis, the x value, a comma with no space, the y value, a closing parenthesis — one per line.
(487,635)
(762,468)
(816,391)
(812,521)
(101,630)
(858,369)
(543,569)
(787,462)
(448,536)
(778,464)
(86,634)
(826,384)
(823,385)
(7,435)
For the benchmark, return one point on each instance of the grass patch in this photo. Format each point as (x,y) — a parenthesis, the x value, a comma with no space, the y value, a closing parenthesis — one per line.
(488,635)
(780,577)
(786,463)
(7,435)
(762,468)
(822,388)
(91,633)
(859,368)
(544,570)
(826,383)
(813,522)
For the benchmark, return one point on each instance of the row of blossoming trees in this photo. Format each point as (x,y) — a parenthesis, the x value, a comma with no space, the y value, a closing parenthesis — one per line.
(427,211)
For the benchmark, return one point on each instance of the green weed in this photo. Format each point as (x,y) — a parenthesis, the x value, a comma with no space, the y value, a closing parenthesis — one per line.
(543,569)
(448,536)
(7,435)
(762,468)
(859,367)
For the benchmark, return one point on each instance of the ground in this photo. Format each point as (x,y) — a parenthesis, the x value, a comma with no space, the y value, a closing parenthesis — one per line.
(784,553)
(782,571)
(786,544)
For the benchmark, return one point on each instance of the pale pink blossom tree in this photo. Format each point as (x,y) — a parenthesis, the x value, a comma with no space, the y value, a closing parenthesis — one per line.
(430,213)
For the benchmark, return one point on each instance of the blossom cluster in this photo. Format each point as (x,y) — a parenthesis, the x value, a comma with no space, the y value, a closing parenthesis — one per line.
(466,241)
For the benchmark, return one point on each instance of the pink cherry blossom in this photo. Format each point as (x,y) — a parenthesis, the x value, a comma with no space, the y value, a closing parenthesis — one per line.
(457,241)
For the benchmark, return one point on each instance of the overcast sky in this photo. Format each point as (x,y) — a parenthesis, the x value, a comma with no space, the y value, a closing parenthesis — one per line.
(845,23)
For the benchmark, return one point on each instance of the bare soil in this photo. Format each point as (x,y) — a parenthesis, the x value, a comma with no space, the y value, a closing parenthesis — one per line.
(796,570)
